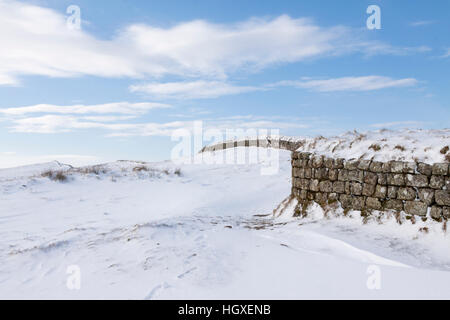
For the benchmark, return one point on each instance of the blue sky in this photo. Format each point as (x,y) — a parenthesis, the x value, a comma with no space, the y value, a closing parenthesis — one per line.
(138,70)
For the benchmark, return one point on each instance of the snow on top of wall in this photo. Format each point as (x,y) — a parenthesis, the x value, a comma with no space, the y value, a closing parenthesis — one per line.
(429,146)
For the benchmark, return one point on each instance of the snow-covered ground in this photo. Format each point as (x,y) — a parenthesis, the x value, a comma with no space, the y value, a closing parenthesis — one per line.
(150,231)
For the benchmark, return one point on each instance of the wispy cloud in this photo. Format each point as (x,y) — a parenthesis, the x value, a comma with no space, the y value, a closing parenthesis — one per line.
(107,108)
(421,23)
(397,124)
(191,89)
(447,54)
(39,43)
(365,83)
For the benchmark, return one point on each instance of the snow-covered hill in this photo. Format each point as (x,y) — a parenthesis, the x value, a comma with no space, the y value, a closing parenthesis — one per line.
(160,230)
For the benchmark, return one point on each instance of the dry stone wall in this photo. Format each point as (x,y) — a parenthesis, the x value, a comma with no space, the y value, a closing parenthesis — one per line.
(263,143)
(418,189)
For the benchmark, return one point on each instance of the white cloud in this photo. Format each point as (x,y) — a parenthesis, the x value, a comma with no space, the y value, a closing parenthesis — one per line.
(115,107)
(191,89)
(365,83)
(397,124)
(37,42)
(68,123)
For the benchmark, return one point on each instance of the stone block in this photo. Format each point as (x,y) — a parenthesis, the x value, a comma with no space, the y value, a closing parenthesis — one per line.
(356,175)
(380,191)
(343,175)
(426,195)
(424,168)
(393,204)
(417,180)
(346,201)
(358,203)
(339,186)
(314,185)
(417,208)
(333,174)
(356,188)
(442,197)
(436,212)
(406,193)
(370,177)
(440,169)
(396,179)
(373,203)
(437,182)
(326,186)
(351,164)
(368,189)
(376,166)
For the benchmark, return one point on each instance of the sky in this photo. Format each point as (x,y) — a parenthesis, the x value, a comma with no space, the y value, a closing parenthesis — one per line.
(131,74)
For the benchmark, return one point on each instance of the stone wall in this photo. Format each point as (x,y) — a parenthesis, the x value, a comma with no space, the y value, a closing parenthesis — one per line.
(416,188)
(284,144)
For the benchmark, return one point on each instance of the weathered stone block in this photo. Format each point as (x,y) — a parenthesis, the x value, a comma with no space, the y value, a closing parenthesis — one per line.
(346,201)
(417,208)
(440,169)
(424,168)
(392,192)
(382,178)
(393,204)
(396,166)
(356,188)
(409,167)
(442,197)
(338,163)
(396,179)
(320,198)
(314,185)
(351,164)
(332,197)
(406,193)
(326,186)
(358,203)
(317,161)
(368,189)
(416,180)
(376,166)
(343,175)
(328,162)
(339,186)
(436,212)
(310,195)
(373,203)
(364,164)
(304,184)
(370,177)
(321,173)
(294,155)
(437,182)
(333,174)
(427,196)
(298,172)
(380,192)
(356,175)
